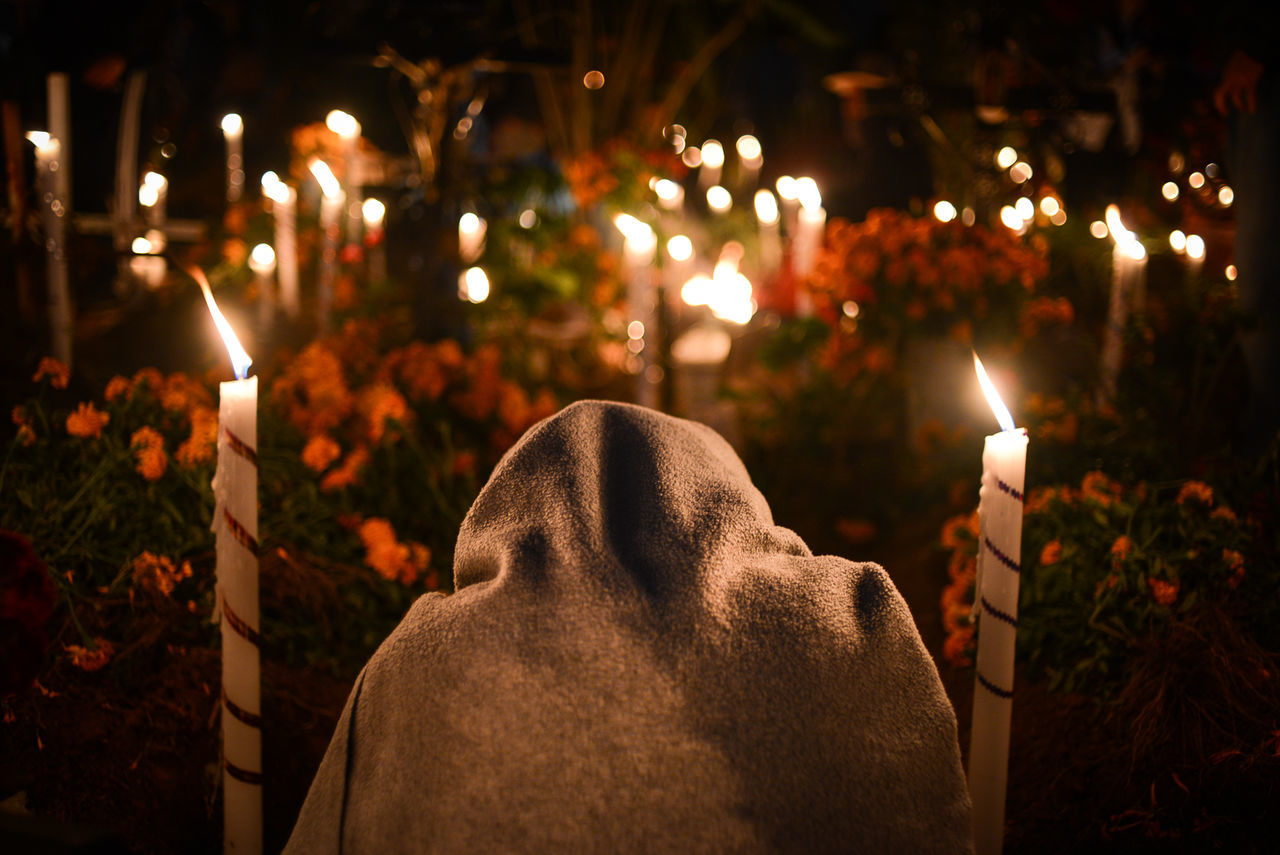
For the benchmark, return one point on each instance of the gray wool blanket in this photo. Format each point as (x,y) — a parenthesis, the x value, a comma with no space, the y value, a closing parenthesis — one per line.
(636,659)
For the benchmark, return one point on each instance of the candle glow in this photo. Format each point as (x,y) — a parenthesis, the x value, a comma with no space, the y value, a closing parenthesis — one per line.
(240,360)
(1002,414)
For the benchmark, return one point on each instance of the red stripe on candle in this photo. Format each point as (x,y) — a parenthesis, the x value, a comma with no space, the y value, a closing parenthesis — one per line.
(242,774)
(251,719)
(239,532)
(993,688)
(1006,488)
(240,447)
(241,627)
(997,614)
(1004,559)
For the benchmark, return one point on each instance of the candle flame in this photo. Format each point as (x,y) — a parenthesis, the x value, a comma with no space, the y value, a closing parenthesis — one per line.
(232,124)
(342,123)
(324,175)
(240,360)
(1002,414)
(1126,240)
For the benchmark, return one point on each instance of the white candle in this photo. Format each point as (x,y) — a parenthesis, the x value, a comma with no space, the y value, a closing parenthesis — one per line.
(153,195)
(768,216)
(262,261)
(750,159)
(53,216)
(471,232)
(810,226)
(348,130)
(1128,285)
(638,249)
(235,524)
(233,131)
(1004,459)
(331,204)
(712,163)
(58,92)
(789,195)
(373,213)
(284,207)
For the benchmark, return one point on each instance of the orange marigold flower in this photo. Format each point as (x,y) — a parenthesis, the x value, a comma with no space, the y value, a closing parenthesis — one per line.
(1100,488)
(150,378)
(1051,553)
(91,658)
(148,447)
(199,446)
(464,463)
(348,471)
(57,373)
(1164,593)
(320,451)
(180,392)
(158,574)
(1223,513)
(1235,563)
(956,649)
(1197,491)
(117,387)
(1121,548)
(381,403)
(1038,499)
(955,529)
(87,422)
(393,560)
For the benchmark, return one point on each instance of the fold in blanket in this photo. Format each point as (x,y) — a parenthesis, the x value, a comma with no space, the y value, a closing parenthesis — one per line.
(636,659)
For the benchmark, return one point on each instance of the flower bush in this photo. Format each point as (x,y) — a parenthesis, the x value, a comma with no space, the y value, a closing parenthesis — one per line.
(899,275)
(370,451)
(1106,570)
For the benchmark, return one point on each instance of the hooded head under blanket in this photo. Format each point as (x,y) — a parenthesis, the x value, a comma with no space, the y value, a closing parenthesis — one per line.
(638,660)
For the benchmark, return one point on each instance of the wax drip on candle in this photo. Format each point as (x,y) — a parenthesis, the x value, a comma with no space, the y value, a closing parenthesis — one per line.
(240,360)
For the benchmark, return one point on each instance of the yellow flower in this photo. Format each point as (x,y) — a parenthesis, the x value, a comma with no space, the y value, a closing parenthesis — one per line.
(91,658)
(87,422)
(57,373)
(148,447)
(320,451)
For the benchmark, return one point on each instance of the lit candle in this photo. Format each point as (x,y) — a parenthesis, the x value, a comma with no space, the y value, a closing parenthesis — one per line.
(770,238)
(719,200)
(348,130)
(676,269)
(789,195)
(750,159)
(670,194)
(1195,256)
(58,93)
(153,194)
(233,131)
(810,226)
(712,163)
(53,216)
(235,524)
(145,264)
(471,232)
(330,215)
(262,261)
(284,207)
(1004,461)
(373,213)
(639,247)
(1128,285)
